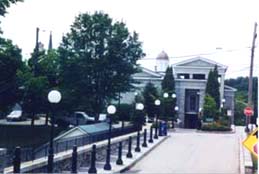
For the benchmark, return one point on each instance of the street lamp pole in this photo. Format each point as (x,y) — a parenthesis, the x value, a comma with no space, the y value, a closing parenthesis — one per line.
(111,110)
(165,95)
(157,104)
(139,108)
(174,97)
(54,97)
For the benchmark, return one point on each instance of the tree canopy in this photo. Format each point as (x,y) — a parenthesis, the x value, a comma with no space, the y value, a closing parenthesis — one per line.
(241,97)
(212,87)
(168,86)
(10,62)
(150,94)
(97,58)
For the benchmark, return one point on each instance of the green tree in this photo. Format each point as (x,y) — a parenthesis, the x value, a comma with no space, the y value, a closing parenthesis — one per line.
(10,62)
(97,58)
(212,87)
(168,86)
(4,4)
(241,98)
(150,94)
(209,108)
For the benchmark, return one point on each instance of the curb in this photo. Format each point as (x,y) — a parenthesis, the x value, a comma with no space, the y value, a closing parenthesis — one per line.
(126,168)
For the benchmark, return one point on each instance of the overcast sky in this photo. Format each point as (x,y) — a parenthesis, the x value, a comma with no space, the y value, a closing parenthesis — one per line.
(180,28)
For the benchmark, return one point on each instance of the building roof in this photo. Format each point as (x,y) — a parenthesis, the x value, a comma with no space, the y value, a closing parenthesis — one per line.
(95,128)
(229,88)
(188,61)
(85,129)
(162,56)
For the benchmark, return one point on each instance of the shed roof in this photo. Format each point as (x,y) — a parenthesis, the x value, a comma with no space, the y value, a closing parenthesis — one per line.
(95,128)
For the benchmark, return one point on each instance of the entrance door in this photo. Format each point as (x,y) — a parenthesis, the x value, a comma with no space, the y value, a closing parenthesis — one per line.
(191,121)
(191,108)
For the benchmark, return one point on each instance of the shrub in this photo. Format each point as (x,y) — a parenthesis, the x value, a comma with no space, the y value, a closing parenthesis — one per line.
(215,126)
(209,108)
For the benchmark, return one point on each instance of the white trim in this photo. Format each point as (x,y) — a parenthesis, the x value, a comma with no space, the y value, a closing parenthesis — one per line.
(202,59)
(69,131)
(229,88)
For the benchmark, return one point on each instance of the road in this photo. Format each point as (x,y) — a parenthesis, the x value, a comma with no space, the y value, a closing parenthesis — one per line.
(187,151)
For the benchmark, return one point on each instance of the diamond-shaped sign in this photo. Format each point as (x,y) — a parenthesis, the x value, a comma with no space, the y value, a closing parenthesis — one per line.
(251,142)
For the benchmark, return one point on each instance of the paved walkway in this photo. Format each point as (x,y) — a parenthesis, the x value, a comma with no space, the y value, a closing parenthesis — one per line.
(188,151)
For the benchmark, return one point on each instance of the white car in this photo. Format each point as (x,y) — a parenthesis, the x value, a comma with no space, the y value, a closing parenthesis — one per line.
(15,115)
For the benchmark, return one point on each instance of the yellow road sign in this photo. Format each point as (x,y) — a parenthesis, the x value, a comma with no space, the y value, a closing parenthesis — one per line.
(251,142)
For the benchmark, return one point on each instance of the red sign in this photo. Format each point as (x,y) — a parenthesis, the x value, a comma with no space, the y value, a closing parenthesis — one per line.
(248,111)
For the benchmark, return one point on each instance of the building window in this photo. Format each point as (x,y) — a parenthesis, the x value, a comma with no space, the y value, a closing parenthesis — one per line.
(183,76)
(199,76)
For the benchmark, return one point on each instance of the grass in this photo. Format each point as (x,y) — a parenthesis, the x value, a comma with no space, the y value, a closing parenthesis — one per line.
(255,163)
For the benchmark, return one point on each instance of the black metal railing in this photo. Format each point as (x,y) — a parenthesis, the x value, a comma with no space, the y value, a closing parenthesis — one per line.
(30,154)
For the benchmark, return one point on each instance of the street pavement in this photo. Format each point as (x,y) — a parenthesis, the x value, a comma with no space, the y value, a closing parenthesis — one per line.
(189,151)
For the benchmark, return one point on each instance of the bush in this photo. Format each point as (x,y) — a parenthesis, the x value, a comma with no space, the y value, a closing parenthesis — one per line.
(215,126)
(210,109)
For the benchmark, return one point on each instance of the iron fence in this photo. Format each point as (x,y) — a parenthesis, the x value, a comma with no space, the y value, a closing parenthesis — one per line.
(30,154)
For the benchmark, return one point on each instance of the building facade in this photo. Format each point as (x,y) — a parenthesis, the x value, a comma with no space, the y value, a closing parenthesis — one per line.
(190,84)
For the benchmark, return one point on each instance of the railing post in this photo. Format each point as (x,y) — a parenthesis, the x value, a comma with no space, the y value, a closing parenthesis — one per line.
(160,129)
(74,159)
(17,160)
(137,149)
(129,154)
(119,160)
(145,138)
(92,168)
(151,135)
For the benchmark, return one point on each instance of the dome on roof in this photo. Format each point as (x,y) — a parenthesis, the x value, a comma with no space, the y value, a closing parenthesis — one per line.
(163,56)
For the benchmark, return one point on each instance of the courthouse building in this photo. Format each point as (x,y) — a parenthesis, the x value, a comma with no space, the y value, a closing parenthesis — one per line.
(190,83)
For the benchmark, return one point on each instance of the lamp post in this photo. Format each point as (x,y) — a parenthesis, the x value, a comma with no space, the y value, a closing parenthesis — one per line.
(165,95)
(111,110)
(174,97)
(157,104)
(54,97)
(222,106)
(176,109)
(139,108)
(199,119)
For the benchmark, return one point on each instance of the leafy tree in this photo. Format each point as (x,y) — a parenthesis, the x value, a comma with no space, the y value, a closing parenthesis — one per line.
(168,86)
(4,4)
(150,94)
(10,62)
(209,108)
(241,98)
(97,58)
(212,87)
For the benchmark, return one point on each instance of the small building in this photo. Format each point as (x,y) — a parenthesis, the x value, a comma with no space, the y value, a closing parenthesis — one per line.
(190,84)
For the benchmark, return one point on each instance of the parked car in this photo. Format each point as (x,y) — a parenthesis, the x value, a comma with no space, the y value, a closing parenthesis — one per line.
(15,115)
(78,118)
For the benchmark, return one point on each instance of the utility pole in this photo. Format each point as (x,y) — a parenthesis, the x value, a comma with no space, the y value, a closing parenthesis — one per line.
(250,83)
